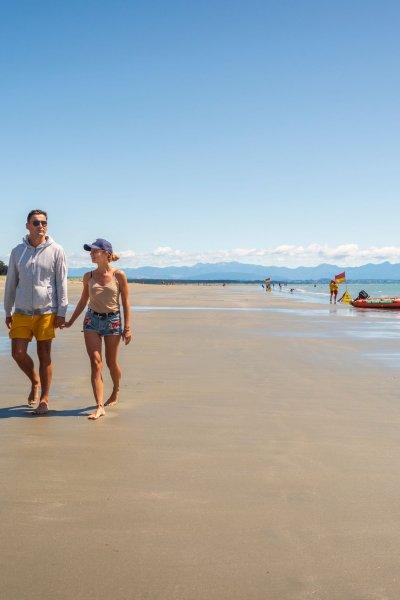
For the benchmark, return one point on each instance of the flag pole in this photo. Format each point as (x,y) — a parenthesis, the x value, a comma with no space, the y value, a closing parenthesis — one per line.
(341,278)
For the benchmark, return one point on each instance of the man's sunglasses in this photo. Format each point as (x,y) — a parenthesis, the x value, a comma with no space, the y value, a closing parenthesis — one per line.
(36,223)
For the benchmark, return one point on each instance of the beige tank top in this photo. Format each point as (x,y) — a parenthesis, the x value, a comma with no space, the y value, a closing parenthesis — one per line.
(104,298)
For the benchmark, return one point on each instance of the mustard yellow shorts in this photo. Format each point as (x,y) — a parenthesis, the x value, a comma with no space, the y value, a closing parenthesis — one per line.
(24,327)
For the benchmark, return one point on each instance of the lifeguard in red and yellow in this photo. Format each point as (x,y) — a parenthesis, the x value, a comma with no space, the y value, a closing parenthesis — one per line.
(333,289)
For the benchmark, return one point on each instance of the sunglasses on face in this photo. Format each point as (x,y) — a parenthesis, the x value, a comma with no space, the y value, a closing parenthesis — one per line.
(36,223)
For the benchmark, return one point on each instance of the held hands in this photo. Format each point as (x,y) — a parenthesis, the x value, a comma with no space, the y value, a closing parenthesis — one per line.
(59,322)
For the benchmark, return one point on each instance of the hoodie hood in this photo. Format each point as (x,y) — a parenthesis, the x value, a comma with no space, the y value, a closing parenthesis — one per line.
(48,242)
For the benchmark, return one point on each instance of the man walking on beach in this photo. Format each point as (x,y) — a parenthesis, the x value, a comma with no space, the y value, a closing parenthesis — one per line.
(36,286)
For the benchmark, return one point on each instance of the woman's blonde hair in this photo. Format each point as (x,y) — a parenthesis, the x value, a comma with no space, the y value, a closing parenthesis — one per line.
(112,257)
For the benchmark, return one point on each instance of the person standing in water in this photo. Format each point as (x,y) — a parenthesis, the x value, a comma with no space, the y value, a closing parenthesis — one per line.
(333,290)
(103,288)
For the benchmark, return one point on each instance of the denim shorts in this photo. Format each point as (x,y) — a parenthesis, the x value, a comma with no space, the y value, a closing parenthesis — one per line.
(103,324)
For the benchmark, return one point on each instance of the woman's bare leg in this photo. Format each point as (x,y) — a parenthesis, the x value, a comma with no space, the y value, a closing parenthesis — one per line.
(111,350)
(93,347)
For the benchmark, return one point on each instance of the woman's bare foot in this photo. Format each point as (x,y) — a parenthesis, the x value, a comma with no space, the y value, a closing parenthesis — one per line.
(42,409)
(113,399)
(34,395)
(100,412)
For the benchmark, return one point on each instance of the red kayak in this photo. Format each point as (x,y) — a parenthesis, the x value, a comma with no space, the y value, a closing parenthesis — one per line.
(392,303)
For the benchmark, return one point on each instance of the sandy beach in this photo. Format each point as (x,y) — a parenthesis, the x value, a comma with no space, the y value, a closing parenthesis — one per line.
(254,455)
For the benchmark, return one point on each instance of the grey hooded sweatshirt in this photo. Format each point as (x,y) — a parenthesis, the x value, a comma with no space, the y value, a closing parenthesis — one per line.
(36,279)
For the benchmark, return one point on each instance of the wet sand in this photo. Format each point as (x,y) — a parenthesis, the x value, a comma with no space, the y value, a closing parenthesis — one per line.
(254,455)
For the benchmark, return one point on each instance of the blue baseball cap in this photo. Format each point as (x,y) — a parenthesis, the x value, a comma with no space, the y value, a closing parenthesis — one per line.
(99,244)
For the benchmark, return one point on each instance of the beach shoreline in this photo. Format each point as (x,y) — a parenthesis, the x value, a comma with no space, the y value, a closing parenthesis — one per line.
(254,455)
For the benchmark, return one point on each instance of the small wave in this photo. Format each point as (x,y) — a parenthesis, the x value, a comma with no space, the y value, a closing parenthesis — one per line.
(310,292)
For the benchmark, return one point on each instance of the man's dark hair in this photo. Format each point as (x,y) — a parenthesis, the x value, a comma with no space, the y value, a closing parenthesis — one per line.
(36,211)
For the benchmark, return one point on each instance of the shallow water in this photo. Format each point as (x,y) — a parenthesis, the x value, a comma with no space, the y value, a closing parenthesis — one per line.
(387,359)
(319,293)
(269,309)
(329,322)
(326,321)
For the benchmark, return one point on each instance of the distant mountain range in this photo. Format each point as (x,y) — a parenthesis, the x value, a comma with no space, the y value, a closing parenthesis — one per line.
(237,271)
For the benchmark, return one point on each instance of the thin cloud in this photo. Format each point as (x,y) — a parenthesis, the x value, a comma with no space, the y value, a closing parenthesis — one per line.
(288,255)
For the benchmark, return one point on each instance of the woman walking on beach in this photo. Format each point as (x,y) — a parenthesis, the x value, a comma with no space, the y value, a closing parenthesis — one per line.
(103,288)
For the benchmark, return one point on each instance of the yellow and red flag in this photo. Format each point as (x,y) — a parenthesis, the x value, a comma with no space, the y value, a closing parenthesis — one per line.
(340,278)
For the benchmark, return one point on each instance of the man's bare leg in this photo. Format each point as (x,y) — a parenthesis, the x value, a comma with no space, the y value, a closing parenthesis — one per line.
(34,394)
(45,373)
(19,350)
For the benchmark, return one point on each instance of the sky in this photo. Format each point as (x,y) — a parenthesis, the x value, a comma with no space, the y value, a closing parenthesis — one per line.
(182,131)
